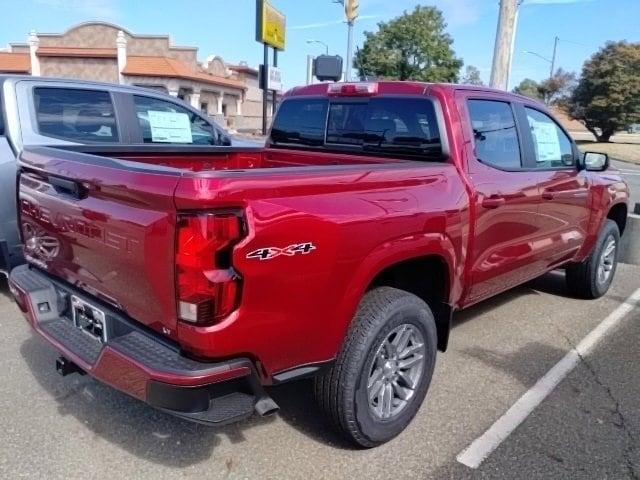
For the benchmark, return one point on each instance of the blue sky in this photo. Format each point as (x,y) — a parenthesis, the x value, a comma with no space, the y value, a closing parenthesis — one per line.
(226,27)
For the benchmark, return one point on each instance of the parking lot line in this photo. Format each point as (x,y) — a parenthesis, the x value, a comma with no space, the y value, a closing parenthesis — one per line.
(483,446)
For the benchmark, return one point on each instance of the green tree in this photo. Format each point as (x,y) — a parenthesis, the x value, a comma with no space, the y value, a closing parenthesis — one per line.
(529,88)
(557,89)
(607,97)
(471,76)
(413,46)
(552,91)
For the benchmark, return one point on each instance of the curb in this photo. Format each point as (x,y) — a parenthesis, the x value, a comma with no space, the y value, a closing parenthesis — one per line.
(630,244)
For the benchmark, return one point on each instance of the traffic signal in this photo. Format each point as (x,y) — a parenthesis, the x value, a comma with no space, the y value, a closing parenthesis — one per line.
(351,9)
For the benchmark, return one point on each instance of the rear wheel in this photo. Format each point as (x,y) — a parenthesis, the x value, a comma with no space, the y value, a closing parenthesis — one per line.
(384,369)
(593,277)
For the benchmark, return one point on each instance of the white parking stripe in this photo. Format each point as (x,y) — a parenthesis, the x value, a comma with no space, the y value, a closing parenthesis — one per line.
(484,445)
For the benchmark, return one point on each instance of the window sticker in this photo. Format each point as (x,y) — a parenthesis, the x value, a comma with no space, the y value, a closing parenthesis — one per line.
(170,127)
(545,135)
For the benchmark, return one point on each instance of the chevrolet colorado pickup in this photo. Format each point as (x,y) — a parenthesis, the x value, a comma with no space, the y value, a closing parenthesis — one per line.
(55,111)
(192,280)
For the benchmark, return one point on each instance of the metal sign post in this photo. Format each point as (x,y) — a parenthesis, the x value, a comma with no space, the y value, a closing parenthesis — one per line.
(271,32)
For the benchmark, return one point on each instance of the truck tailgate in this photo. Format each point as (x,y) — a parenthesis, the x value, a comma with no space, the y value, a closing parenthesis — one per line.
(106,226)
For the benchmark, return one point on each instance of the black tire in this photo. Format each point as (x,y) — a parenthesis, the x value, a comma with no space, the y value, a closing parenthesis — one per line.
(342,391)
(582,278)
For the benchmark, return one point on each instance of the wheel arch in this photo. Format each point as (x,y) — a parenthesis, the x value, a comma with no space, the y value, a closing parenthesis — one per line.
(427,277)
(618,213)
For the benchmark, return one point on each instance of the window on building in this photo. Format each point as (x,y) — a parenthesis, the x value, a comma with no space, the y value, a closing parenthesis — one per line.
(162,121)
(204,107)
(552,146)
(495,134)
(75,114)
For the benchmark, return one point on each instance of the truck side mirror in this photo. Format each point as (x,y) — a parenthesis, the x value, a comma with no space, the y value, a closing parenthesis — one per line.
(595,162)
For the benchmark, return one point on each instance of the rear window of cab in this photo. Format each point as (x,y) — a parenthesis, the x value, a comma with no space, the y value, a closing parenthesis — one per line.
(381,125)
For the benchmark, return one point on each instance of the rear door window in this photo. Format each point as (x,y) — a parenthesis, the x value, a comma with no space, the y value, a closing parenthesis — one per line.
(162,121)
(78,115)
(495,134)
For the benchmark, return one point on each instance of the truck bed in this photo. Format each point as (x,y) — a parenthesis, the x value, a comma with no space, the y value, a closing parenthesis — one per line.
(198,159)
(114,217)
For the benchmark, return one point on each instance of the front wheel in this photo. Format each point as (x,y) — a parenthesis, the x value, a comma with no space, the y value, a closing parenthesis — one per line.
(384,369)
(593,277)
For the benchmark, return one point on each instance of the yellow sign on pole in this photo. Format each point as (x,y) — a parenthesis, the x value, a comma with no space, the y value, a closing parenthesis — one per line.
(351,9)
(270,25)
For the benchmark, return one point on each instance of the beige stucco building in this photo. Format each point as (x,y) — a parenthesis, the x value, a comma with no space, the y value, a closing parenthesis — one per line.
(104,52)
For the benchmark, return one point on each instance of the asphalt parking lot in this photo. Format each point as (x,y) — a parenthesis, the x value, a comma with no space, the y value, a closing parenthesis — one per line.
(588,427)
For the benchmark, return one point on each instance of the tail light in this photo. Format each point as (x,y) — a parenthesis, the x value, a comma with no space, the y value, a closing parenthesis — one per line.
(360,89)
(207,286)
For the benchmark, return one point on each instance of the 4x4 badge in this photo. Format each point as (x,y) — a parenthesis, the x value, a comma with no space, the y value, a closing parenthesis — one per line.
(268,253)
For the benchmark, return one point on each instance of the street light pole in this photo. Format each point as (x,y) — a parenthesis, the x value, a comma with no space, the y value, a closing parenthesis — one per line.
(326,47)
(351,12)
(349,51)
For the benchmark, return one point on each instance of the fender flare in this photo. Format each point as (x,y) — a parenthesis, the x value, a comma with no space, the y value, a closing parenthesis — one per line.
(399,250)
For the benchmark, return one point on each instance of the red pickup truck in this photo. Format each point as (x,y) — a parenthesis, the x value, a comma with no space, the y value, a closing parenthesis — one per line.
(191,278)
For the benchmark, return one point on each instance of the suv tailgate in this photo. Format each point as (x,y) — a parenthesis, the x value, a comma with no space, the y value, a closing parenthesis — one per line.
(106,226)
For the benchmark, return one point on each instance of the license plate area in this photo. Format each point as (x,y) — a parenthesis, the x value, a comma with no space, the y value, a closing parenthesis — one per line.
(89,319)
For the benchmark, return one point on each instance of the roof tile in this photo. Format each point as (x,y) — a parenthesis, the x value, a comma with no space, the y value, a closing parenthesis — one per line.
(14,62)
(169,67)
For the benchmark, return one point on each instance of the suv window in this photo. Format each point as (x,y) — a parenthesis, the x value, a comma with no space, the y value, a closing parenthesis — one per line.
(385,125)
(162,121)
(1,114)
(75,114)
(494,133)
(552,146)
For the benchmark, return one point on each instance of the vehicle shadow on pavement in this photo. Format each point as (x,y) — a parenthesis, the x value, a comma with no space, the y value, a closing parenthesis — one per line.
(526,365)
(126,422)
(4,287)
(552,283)
(299,409)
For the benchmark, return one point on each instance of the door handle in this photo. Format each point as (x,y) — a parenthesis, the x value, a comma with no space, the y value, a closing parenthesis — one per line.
(548,196)
(67,187)
(494,201)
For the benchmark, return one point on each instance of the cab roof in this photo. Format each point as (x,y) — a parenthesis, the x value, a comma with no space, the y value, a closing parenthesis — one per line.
(402,88)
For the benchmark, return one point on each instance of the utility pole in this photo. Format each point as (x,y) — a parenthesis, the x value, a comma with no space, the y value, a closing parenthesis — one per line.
(553,57)
(513,42)
(503,45)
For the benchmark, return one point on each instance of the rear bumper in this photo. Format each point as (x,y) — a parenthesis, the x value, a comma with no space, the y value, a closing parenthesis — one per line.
(136,361)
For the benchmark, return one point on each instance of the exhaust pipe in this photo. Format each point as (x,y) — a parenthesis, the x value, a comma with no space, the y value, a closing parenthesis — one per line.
(266,406)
